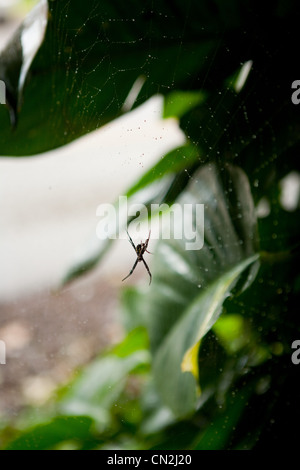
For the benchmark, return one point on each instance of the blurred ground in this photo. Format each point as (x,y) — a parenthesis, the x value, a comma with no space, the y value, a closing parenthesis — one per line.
(49,335)
(47,212)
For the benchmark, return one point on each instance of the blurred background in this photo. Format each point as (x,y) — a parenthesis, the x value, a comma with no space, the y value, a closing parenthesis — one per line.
(48,215)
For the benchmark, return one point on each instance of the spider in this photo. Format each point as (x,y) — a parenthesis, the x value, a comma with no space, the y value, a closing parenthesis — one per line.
(140,250)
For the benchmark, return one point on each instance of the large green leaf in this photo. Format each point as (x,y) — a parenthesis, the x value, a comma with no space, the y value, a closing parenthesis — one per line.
(190,286)
(94,53)
(100,384)
(55,431)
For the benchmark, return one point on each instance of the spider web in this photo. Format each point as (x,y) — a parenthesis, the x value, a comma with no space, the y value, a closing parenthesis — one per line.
(229,129)
(80,56)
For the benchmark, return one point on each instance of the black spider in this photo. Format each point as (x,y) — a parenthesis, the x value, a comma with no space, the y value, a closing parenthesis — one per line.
(140,250)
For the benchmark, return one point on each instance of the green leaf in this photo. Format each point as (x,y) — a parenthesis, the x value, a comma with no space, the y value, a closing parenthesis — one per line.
(172,365)
(92,55)
(46,436)
(190,286)
(16,60)
(100,384)
(132,308)
(219,432)
(232,331)
(177,103)
(173,162)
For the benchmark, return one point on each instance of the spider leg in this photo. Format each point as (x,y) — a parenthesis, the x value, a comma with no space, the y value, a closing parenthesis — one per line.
(130,240)
(146,266)
(147,241)
(134,266)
